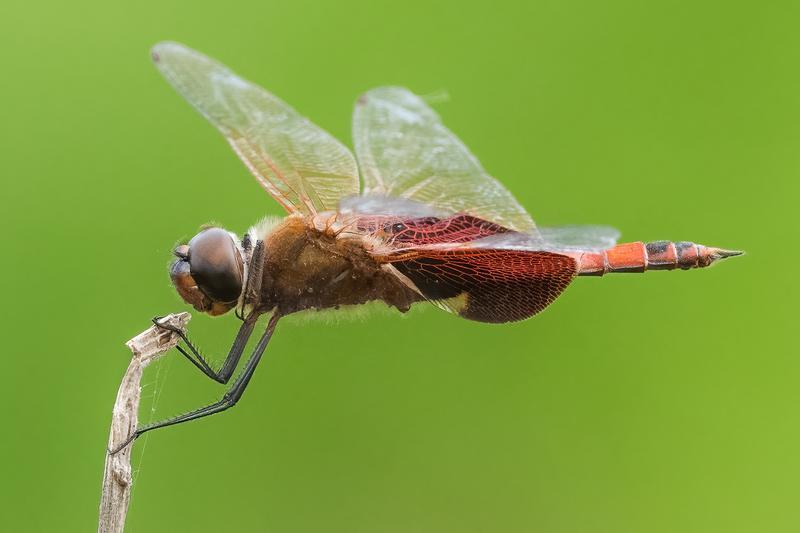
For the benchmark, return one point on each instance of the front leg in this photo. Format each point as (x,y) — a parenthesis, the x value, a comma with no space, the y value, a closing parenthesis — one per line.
(231,360)
(251,297)
(228,400)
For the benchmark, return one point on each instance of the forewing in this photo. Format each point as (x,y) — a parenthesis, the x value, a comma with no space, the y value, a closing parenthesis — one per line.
(378,205)
(303,167)
(404,150)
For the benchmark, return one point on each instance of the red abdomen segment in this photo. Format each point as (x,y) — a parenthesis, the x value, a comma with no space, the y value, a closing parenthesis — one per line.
(657,255)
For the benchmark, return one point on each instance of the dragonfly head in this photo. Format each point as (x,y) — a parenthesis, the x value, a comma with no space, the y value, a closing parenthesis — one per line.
(208,272)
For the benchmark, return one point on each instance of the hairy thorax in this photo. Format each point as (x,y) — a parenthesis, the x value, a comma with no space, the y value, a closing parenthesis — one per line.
(311,263)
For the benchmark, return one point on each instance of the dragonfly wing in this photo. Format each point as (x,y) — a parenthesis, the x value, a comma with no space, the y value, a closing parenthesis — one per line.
(303,167)
(452,263)
(554,239)
(579,238)
(405,151)
(484,284)
(376,205)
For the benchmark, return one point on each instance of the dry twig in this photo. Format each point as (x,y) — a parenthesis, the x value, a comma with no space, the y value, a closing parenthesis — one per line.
(117,479)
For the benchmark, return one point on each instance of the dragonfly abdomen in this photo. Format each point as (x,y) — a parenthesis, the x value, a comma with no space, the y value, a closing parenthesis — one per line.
(656,255)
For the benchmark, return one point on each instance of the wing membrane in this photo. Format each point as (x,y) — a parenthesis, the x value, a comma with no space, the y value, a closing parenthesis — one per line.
(480,270)
(488,285)
(404,150)
(303,167)
(555,239)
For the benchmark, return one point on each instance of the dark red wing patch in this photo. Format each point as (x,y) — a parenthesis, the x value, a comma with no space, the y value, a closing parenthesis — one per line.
(496,285)
(455,229)
(402,232)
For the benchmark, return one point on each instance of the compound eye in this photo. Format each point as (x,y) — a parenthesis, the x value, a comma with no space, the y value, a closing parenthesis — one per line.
(216,265)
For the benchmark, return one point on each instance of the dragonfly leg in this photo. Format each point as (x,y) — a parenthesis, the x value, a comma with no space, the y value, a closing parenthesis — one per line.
(252,291)
(223,375)
(228,400)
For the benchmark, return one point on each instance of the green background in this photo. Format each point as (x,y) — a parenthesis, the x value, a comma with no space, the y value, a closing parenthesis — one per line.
(654,403)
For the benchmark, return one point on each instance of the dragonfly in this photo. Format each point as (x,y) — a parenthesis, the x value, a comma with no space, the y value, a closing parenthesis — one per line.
(412,217)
